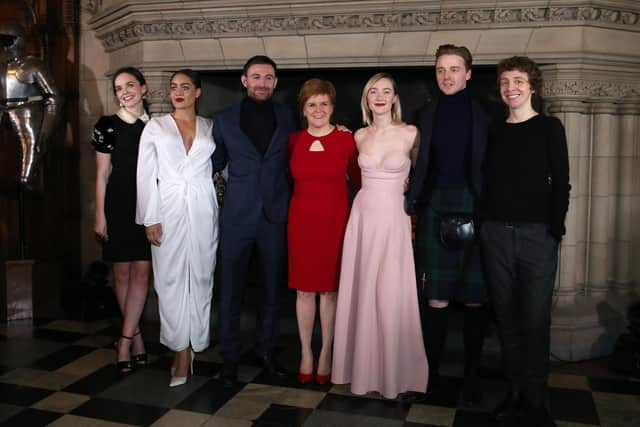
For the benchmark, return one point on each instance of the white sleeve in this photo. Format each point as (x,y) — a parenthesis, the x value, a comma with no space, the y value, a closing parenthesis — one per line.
(148,203)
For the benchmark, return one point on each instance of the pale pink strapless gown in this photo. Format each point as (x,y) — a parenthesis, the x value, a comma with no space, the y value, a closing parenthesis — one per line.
(378,337)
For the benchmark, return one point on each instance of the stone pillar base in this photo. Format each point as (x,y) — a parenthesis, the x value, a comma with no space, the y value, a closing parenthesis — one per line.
(589,328)
(17,290)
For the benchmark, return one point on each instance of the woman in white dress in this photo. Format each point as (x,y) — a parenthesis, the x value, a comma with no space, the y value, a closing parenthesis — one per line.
(177,205)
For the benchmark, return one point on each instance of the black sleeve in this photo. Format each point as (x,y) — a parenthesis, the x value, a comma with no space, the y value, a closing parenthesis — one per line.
(219,157)
(559,170)
(103,139)
(417,174)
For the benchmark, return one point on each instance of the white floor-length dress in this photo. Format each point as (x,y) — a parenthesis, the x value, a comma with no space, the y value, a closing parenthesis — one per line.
(175,189)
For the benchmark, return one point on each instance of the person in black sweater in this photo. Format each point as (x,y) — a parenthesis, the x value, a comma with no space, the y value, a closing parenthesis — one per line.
(526,201)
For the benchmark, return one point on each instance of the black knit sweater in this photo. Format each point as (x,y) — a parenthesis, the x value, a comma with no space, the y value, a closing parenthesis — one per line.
(258,122)
(527,173)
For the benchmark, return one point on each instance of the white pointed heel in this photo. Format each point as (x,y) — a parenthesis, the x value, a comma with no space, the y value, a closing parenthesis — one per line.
(178,381)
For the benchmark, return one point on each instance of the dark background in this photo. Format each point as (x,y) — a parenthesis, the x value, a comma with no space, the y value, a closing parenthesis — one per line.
(415,86)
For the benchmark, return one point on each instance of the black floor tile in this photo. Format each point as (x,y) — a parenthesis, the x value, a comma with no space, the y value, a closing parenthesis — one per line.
(210,397)
(7,411)
(283,416)
(290,380)
(21,395)
(607,385)
(113,330)
(41,321)
(573,405)
(364,406)
(120,412)
(473,419)
(96,382)
(410,424)
(32,418)
(445,393)
(200,367)
(58,336)
(154,347)
(58,359)
(206,369)
(162,363)
(151,347)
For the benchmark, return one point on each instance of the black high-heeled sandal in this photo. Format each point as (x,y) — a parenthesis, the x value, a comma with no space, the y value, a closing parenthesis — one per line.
(139,359)
(124,366)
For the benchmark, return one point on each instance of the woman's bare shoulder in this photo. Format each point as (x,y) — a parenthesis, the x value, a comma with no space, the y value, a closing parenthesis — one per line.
(409,130)
(361,134)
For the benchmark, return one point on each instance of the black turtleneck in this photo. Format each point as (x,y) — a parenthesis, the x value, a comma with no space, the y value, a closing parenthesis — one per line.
(258,122)
(451,140)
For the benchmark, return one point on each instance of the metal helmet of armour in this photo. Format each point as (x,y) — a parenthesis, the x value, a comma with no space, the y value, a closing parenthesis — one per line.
(12,38)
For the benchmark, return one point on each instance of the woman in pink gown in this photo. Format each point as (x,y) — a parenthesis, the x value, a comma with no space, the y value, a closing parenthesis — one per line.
(378,337)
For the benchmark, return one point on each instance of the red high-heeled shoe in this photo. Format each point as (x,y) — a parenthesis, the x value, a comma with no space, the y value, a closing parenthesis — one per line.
(305,378)
(323,379)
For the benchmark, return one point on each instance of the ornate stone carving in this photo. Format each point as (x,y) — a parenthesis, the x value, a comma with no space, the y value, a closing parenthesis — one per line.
(411,20)
(92,6)
(591,89)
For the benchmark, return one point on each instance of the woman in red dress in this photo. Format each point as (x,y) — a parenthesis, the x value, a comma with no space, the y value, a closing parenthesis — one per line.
(321,156)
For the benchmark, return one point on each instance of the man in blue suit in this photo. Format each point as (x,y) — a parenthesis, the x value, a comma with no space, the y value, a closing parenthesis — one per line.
(251,140)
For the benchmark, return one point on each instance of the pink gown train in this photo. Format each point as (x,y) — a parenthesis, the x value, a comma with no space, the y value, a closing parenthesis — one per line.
(378,337)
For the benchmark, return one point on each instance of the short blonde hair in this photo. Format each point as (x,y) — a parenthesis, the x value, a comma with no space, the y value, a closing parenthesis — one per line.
(396,110)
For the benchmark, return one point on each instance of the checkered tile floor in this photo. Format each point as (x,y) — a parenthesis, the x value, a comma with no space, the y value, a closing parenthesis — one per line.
(62,373)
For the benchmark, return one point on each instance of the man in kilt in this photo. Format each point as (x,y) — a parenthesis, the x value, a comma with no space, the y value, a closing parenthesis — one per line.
(447,180)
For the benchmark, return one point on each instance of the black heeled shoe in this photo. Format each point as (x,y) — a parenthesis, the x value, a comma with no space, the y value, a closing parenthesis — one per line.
(124,366)
(140,359)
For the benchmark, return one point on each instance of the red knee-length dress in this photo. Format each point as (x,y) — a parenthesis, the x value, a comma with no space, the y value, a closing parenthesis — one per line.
(319,208)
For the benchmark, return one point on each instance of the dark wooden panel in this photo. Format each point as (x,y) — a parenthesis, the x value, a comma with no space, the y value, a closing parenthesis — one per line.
(52,211)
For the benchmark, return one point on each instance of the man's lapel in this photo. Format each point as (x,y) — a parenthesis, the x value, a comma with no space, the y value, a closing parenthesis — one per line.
(275,145)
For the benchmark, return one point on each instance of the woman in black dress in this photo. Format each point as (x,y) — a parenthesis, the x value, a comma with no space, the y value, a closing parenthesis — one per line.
(116,140)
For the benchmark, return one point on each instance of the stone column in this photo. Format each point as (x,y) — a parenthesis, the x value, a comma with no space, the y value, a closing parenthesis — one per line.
(158,94)
(600,122)
(571,258)
(598,106)
(603,204)
(635,204)
(628,189)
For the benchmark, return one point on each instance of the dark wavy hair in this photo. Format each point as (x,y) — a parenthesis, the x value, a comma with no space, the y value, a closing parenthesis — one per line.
(530,68)
(137,74)
(259,59)
(193,75)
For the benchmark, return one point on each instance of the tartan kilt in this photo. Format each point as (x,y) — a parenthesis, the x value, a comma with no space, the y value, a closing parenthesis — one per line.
(438,269)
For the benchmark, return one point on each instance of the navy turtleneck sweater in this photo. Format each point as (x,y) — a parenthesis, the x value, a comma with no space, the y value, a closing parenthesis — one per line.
(258,122)
(451,141)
